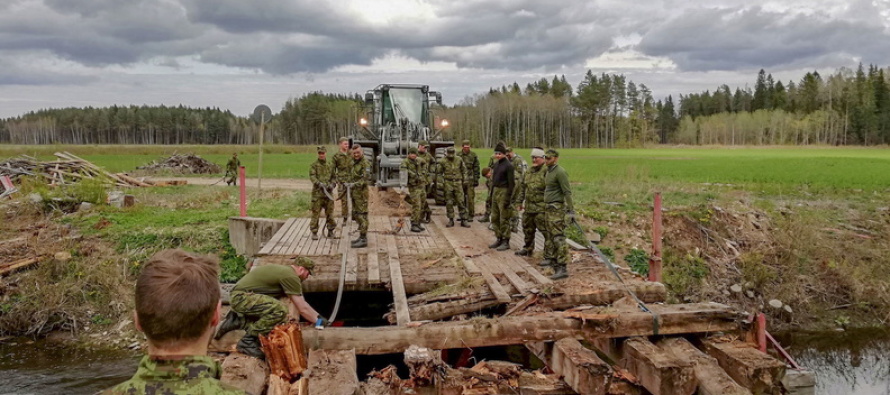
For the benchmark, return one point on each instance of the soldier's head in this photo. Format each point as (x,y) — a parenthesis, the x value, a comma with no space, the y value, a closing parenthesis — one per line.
(357,152)
(551,156)
(235,155)
(303,267)
(486,172)
(322,152)
(344,144)
(465,146)
(500,151)
(537,156)
(449,152)
(422,146)
(412,153)
(510,153)
(177,299)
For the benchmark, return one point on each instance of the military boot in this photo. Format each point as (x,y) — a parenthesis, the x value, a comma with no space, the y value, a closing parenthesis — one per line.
(361,242)
(525,251)
(233,321)
(485,217)
(497,243)
(450,223)
(314,236)
(331,233)
(505,245)
(547,262)
(464,223)
(427,217)
(250,345)
(415,227)
(560,273)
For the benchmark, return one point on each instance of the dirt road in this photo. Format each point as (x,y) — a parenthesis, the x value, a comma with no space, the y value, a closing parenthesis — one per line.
(279,183)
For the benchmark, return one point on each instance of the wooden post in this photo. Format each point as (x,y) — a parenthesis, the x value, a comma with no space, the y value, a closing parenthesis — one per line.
(658,371)
(761,332)
(243,191)
(655,259)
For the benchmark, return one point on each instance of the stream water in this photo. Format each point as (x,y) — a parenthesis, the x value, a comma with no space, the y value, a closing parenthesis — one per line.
(846,363)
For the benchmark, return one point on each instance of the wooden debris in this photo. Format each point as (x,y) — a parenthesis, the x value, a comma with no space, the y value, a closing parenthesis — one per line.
(183,164)
(69,169)
(7,268)
(423,364)
(284,351)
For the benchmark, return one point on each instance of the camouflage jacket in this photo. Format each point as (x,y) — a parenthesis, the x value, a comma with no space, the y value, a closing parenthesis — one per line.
(342,163)
(412,168)
(452,170)
(531,190)
(320,172)
(189,375)
(471,162)
(359,173)
(519,166)
(428,167)
(232,165)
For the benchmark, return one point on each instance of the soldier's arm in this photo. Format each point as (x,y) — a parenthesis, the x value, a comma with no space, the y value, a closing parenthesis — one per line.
(313,175)
(306,311)
(566,190)
(475,170)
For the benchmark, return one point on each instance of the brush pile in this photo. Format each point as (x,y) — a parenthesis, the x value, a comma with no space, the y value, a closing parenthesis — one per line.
(68,169)
(183,164)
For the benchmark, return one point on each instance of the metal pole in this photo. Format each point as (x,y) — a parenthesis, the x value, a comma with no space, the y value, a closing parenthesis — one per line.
(655,259)
(761,332)
(259,182)
(243,191)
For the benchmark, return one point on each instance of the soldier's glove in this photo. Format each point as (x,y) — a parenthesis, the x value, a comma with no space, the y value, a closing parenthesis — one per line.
(571,216)
(321,322)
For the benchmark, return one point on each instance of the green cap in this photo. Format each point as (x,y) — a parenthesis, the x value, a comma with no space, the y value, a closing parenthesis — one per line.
(424,143)
(412,150)
(321,149)
(466,142)
(551,153)
(449,151)
(304,262)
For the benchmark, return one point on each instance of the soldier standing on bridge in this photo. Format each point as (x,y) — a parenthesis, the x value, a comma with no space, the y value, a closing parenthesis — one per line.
(519,169)
(342,164)
(453,172)
(471,181)
(429,164)
(559,211)
(411,167)
(357,178)
(530,196)
(322,176)
(502,185)
(232,169)
(491,163)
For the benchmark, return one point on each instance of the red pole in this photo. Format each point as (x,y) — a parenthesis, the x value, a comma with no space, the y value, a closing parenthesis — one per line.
(761,332)
(655,259)
(243,191)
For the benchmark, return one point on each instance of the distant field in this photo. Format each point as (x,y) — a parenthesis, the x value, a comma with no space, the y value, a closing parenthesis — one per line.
(770,170)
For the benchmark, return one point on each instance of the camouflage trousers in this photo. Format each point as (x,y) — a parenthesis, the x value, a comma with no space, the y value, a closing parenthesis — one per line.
(360,208)
(532,222)
(321,202)
(488,198)
(231,176)
(500,212)
(262,312)
(555,246)
(426,204)
(454,195)
(470,199)
(341,196)
(415,197)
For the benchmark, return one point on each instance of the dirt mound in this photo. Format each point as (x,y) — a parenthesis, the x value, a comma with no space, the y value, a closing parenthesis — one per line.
(183,164)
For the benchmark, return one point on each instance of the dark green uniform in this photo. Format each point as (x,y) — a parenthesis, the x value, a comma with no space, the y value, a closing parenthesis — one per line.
(503,184)
(187,375)
(428,167)
(358,175)
(519,169)
(416,187)
(342,162)
(491,162)
(558,201)
(453,172)
(471,181)
(530,193)
(232,170)
(256,295)
(321,173)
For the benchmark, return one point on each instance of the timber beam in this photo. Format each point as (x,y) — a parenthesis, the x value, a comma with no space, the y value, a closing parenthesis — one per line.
(659,372)
(579,367)
(712,379)
(755,370)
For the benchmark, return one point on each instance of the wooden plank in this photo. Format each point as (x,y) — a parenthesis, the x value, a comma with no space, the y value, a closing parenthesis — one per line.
(351,267)
(757,371)
(672,320)
(298,239)
(284,241)
(608,293)
(373,268)
(267,248)
(400,299)
(493,284)
(471,266)
(518,283)
(580,367)
(712,379)
(533,272)
(304,240)
(661,373)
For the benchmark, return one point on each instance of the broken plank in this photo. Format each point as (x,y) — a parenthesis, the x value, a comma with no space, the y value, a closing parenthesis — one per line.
(400,299)
(508,270)
(11,267)
(540,278)
(661,373)
(496,288)
(712,379)
(580,367)
(471,266)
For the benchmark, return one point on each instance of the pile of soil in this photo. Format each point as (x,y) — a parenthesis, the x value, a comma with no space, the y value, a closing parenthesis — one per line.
(183,164)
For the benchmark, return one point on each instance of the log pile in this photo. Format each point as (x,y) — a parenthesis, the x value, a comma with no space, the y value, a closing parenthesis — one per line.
(183,164)
(66,170)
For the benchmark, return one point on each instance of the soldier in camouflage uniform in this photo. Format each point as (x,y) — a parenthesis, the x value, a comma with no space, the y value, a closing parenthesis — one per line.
(177,318)
(423,152)
(502,185)
(519,169)
(232,169)
(256,307)
(415,180)
(559,211)
(453,173)
(342,164)
(471,181)
(358,179)
(491,162)
(530,196)
(321,174)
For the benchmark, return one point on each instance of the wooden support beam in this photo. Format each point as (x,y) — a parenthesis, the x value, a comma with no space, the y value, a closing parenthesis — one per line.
(400,299)
(440,310)
(580,367)
(607,294)
(659,372)
(757,371)
(332,372)
(712,379)
(672,320)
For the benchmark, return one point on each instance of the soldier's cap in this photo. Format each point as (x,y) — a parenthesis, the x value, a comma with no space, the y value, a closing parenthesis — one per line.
(537,152)
(509,149)
(412,150)
(424,143)
(465,142)
(342,139)
(486,171)
(500,148)
(304,262)
(551,153)
(321,149)
(449,150)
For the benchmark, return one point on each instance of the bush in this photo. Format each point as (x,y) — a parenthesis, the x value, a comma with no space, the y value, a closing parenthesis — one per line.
(683,274)
(638,260)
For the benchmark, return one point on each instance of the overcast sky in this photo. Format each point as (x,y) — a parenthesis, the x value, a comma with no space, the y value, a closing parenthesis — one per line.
(235,54)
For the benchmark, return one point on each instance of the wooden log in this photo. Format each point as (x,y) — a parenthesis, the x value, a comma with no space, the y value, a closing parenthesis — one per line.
(671,320)
(284,351)
(659,372)
(647,292)
(332,372)
(438,311)
(277,386)
(13,266)
(580,367)
(712,380)
(245,373)
(757,371)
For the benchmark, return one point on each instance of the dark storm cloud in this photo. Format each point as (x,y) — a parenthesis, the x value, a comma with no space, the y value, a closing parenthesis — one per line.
(13,74)
(731,39)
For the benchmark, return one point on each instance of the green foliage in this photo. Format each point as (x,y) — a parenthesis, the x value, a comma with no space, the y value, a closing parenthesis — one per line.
(574,232)
(608,252)
(602,231)
(755,269)
(638,261)
(232,265)
(683,272)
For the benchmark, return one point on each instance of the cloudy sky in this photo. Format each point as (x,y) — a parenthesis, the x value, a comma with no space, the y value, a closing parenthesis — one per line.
(235,54)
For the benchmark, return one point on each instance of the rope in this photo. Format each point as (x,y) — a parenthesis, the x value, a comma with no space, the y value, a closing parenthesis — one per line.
(343,253)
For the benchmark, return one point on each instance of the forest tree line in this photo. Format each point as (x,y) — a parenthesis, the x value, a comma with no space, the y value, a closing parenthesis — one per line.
(602,111)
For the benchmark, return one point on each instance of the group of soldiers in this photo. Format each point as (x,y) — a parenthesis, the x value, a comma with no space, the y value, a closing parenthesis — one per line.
(349,172)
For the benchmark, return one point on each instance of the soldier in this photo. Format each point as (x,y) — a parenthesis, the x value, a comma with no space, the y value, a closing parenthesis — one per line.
(453,173)
(471,181)
(177,307)
(232,169)
(429,168)
(530,196)
(256,307)
(342,165)
(558,208)
(491,162)
(502,185)
(519,169)
(358,180)
(322,176)
(415,180)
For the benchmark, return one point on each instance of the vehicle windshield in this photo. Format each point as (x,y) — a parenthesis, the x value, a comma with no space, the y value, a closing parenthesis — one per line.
(404,103)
